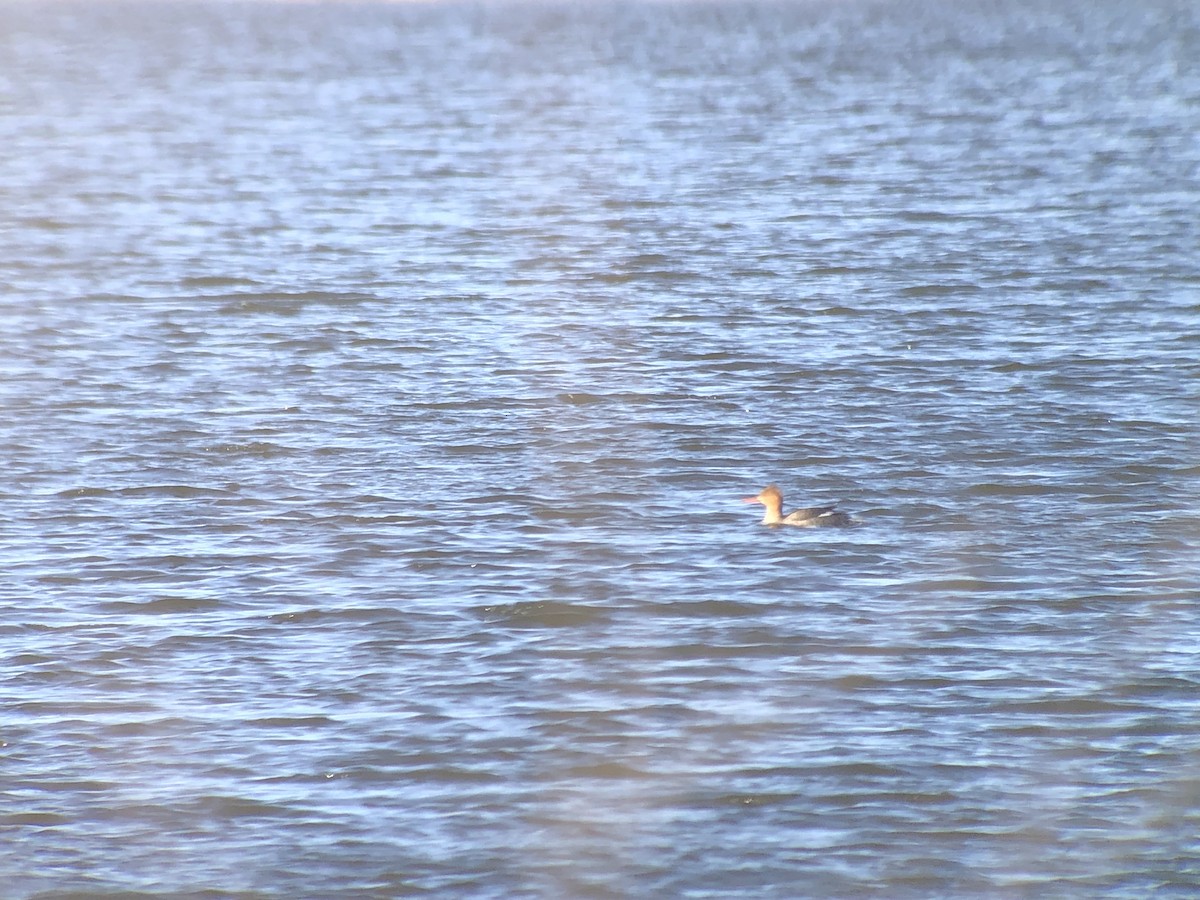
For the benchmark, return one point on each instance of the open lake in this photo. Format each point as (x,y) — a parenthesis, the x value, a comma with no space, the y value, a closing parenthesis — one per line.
(379,383)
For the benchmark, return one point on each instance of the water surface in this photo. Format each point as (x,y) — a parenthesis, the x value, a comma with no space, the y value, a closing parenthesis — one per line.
(378,384)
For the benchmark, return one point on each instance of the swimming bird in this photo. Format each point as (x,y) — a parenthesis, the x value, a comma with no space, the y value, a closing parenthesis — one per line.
(813,517)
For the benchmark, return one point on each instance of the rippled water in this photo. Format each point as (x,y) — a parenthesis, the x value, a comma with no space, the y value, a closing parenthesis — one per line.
(378,384)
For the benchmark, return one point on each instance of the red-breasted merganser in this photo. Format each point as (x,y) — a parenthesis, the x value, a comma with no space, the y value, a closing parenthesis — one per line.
(813,517)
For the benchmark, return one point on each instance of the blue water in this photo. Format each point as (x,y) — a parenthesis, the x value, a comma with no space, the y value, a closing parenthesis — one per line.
(379,383)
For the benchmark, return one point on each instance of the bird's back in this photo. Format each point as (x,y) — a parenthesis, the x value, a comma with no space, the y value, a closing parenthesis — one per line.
(819,517)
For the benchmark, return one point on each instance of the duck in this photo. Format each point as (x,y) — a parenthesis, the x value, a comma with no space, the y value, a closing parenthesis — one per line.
(812,517)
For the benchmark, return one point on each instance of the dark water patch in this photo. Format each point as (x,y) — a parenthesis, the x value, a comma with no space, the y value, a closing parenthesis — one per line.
(937,290)
(608,771)
(170,491)
(161,606)
(217,282)
(288,723)
(37,820)
(227,808)
(710,609)
(80,493)
(1069,706)
(284,303)
(962,585)
(544,614)
(252,448)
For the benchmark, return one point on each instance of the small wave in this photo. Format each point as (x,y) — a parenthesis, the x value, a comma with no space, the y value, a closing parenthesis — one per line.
(543,614)
(291,722)
(251,448)
(283,303)
(940,290)
(162,605)
(85,492)
(710,609)
(217,281)
(609,770)
(177,491)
